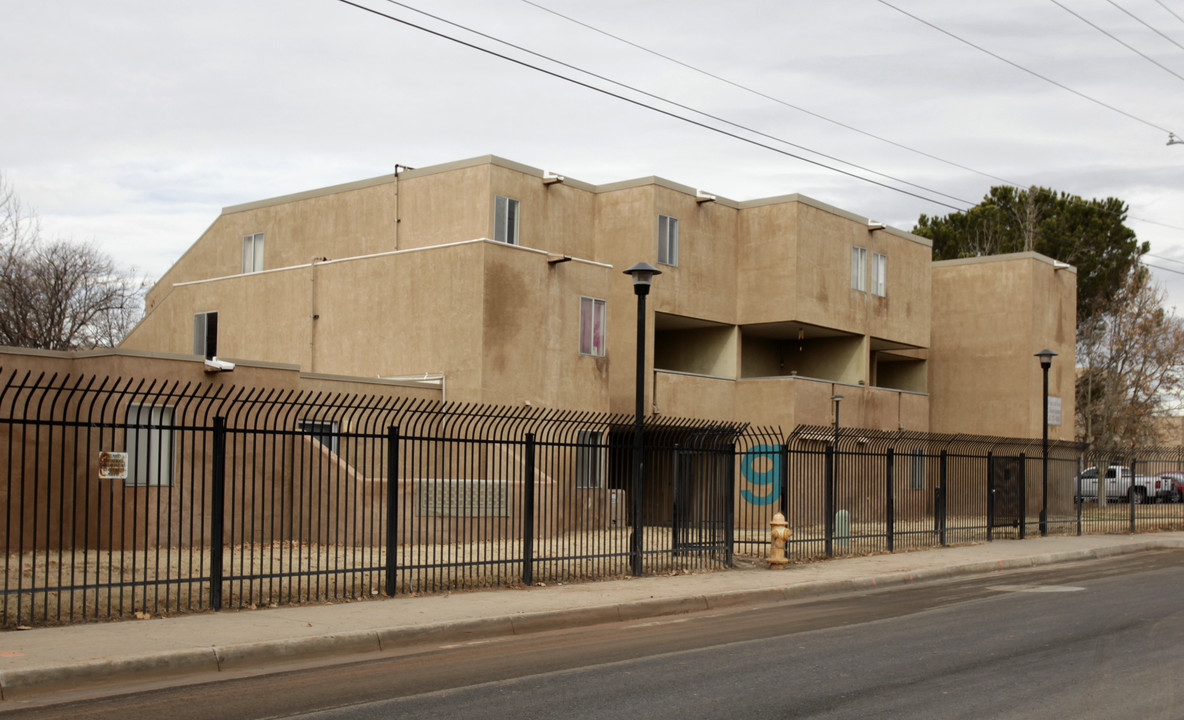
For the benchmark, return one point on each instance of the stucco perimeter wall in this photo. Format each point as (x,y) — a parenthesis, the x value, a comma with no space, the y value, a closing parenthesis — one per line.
(124,365)
(340,221)
(992,314)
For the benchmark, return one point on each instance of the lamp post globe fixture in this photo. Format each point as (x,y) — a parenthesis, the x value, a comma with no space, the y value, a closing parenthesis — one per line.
(643,276)
(1046,357)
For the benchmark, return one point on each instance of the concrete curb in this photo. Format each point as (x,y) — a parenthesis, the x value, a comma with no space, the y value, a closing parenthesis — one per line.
(30,682)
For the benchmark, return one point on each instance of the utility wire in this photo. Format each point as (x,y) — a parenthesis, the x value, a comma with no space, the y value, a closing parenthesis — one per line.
(766,96)
(675,115)
(671,102)
(1153,222)
(1033,73)
(758,93)
(1102,30)
(1161,268)
(1165,7)
(1146,24)
(667,113)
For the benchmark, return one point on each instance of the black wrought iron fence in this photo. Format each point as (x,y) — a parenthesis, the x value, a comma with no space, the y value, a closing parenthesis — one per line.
(125,496)
(862,491)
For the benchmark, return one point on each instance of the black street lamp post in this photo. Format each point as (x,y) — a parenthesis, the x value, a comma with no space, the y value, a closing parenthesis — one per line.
(1046,357)
(643,276)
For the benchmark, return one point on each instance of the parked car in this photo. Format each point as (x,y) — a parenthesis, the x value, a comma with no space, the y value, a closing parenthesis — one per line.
(1176,493)
(1119,487)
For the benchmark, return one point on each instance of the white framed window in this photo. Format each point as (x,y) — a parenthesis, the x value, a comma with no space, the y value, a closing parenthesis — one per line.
(323,431)
(590,451)
(859,269)
(252,252)
(879,274)
(916,470)
(205,334)
(505,220)
(149,438)
(667,240)
(591,326)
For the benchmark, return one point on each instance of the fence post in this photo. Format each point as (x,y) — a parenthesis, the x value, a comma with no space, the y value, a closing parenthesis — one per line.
(942,480)
(730,508)
(1077,499)
(392,507)
(829,541)
(783,480)
(1132,493)
(990,495)
(890,501)
(528,514)
(217,512)
(676,486)
(1023,496)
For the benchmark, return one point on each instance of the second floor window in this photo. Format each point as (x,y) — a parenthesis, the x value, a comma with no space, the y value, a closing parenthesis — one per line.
(667,240)
(859,269)
(591,327)
(879,274)
(505,220)
(205,334)
(252,253)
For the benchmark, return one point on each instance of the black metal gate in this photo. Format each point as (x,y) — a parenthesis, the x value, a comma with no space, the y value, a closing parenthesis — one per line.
(1006,506)
(703,495)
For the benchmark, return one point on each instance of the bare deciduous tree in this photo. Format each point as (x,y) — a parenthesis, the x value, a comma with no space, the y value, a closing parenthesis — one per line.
(59,294)
(1131,364)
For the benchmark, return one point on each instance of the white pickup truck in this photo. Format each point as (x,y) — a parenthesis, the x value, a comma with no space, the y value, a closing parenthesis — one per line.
(1118,485)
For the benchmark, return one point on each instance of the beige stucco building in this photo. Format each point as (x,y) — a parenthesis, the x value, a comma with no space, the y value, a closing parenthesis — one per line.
(504,284)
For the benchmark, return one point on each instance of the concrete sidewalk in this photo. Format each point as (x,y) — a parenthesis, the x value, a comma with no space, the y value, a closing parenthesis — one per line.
(47,660)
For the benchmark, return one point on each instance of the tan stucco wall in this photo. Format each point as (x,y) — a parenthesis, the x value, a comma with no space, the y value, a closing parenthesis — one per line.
(706,351)
(531,331)
(502,323)
(347,221)
(984,377)
(787,402)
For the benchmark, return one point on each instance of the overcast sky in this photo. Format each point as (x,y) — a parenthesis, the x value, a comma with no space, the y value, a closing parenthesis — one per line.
(132,123)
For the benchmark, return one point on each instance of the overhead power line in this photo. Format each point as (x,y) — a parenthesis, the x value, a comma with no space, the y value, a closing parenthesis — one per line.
(1033,73)
(1168,259)
(1146,24)
(1118,40)
(766,96)
(662,111)
(675,104)
(758,93)
(1173,12)
(1144,263)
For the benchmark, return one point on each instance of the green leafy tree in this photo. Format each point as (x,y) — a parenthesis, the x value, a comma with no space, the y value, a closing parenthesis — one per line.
(1091,235)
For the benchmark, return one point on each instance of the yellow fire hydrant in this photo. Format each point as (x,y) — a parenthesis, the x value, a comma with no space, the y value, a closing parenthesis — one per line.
(779,533)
